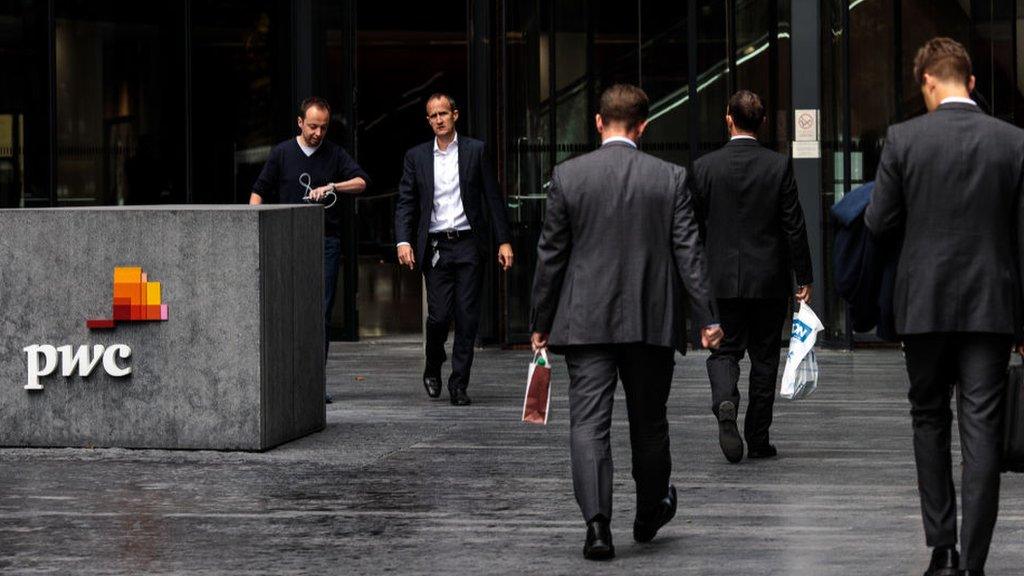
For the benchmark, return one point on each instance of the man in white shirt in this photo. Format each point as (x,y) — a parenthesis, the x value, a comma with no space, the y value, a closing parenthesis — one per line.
(448,206)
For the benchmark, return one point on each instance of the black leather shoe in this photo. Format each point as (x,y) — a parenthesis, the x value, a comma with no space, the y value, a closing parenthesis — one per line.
(766,451)
(328,399)
(644,529)
(433,385)
(599,540)
(728,435)
(945,562)
(459,398)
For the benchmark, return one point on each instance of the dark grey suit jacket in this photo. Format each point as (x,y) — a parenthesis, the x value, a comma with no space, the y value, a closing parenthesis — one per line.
(950,182)
(752,223)
(481,199)
(619,242)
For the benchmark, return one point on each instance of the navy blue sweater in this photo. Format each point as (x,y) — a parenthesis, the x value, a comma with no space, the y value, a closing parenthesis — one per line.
(281,180)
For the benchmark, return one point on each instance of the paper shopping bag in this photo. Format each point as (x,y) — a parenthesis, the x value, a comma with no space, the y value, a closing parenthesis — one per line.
(538,389)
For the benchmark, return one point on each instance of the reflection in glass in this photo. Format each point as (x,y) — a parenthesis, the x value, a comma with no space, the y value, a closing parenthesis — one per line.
(20,104)
(120,114)
(403,56)
(712,73)
(240,95)
(664,77)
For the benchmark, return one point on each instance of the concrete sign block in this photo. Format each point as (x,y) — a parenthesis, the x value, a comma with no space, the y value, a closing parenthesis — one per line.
(196,327)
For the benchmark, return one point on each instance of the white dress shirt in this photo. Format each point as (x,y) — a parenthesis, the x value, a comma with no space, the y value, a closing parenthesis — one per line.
(958,100)
(742,137)
(619,139)
(448,213)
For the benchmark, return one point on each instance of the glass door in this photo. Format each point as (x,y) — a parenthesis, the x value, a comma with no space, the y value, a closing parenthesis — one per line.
(559,56)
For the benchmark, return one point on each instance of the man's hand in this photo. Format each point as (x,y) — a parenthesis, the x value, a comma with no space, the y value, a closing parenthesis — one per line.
(711,337)
(539,341)
(405,256)
(1020,349)
(803,294)
(505,256)
(318,194)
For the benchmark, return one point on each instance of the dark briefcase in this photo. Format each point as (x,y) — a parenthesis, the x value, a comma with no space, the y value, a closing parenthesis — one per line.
(1013,437)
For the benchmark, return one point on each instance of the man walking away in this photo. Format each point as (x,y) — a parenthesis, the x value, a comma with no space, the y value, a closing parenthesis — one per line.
(949,184)
(757,244)
(618,242)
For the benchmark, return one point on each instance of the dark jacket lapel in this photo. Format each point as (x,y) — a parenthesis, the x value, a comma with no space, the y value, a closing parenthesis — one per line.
(428,177)
(463,167)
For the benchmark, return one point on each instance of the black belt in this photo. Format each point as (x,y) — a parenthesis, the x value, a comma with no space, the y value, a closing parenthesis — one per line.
(451,234)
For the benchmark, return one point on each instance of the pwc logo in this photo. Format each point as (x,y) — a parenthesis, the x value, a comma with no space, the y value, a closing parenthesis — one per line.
(135,299)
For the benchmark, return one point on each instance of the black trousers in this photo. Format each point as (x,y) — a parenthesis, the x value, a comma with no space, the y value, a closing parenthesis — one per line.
(453,290)
(752,326)
(646,374)
(974,366)
(332,262)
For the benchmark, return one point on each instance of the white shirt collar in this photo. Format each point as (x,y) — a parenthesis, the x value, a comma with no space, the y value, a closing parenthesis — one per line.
(307,150)
(742,137)
(618,139)
(957,100)
(454,142)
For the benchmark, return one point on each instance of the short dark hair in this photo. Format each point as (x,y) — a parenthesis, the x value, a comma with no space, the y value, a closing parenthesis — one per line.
(624,103)
(443,96)
(944,58)
(314,102)
(747,110)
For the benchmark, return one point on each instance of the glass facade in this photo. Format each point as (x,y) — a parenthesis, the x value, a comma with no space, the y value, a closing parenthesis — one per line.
(560,55)
(868,49)
(115,102)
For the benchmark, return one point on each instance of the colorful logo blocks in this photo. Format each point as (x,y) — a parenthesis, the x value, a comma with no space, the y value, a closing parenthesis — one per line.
(136,299)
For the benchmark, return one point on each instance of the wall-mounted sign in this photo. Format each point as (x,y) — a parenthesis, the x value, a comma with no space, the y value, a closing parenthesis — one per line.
(807,149)
(805,125)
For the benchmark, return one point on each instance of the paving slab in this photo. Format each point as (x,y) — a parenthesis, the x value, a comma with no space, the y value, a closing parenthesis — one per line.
(400,484)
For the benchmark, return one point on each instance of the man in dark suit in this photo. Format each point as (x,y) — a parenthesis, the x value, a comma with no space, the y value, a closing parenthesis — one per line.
(950,184)
(618,242)
(756,241)
(448,205)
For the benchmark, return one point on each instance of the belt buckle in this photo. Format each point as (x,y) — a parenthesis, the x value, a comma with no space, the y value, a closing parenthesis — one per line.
(451,234)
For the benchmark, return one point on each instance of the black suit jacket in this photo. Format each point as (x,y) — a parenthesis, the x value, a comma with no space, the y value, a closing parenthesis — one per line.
(484,206)
(618,244)
(752,222)
(950,182)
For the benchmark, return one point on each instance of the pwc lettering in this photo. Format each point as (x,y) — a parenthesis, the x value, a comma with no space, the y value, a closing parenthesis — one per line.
(81,359)
(136,299)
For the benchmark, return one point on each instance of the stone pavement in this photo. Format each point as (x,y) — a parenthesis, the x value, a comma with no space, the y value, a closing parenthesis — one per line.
(399,484)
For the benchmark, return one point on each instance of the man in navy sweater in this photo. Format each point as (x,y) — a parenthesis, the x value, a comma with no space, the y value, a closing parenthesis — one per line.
(310,165)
